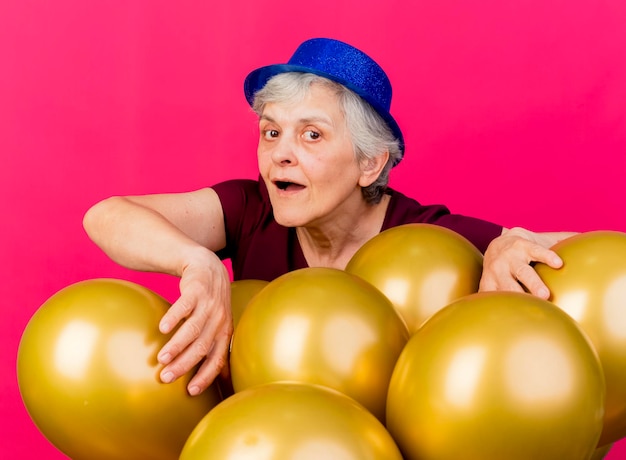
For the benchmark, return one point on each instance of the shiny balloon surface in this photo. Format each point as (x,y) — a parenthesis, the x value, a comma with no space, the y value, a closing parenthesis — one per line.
(241,292)
(322,326)
(591,288)
(420,267)
(89,377)
(497,376)
(290,421)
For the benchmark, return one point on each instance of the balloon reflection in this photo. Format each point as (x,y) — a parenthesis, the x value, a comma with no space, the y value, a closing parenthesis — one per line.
(296,421)
(575,303)
(462,379)
(70,360)
(125,349)
(290,342)
(540,371)
(88,375)
(614,314)
(421,268)
(322,326)
(345,340)
(497,375)
(591,288)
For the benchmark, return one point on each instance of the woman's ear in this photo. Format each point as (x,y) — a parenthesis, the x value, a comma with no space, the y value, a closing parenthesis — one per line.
(371,169)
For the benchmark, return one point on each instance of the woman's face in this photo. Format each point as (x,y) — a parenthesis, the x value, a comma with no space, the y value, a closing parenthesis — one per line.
(307,161)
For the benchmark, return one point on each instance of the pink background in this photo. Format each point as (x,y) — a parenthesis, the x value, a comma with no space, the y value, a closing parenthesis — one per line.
(513,111)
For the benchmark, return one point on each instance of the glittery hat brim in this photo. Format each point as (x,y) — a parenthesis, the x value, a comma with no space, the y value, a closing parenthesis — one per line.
(257,79)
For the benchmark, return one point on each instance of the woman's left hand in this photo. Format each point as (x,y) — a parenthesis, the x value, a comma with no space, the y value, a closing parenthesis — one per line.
(507,262)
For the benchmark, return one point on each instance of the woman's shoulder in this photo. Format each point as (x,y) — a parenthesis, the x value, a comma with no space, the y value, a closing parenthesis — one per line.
(403,209)
(241,192)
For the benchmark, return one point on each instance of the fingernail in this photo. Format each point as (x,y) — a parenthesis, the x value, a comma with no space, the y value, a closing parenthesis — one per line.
(167,377)
(164,327)
(164,358)
(194,390)
(543,293)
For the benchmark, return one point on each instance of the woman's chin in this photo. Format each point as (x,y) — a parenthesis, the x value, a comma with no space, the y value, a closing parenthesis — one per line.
(289,220)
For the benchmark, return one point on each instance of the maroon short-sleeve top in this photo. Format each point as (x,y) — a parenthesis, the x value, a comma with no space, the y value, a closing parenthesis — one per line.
(260,248)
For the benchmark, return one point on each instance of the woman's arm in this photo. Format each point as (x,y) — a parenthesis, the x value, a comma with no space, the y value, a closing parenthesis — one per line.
(128,229)
(507,262)
(176,234)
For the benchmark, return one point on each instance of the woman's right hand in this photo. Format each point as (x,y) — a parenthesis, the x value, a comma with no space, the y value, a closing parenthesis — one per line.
(204,315)
(176,234)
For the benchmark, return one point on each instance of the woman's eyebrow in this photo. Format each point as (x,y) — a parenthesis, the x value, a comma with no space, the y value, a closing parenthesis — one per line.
(304,120)
(317,119)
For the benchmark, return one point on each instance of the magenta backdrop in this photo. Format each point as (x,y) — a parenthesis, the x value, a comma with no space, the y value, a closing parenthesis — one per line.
(513,111)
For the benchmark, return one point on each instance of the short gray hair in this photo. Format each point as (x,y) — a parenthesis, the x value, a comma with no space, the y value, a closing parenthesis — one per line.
(371,136)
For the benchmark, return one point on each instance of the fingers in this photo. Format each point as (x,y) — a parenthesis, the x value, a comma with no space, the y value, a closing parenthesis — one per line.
(180,310)
(507,266)
(528,277)
(537,253)
(215,356)
(202,337)
(184,357)
(216,363)
(524,276)
(498,282)
(191,343)
(187,334)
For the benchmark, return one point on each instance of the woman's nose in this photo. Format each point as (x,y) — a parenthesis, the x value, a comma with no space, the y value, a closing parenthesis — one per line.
(284,152)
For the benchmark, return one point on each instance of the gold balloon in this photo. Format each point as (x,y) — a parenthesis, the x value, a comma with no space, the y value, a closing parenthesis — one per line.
(289,421)
(497,376)
(421,268)
(321,326)
(89,377)
(591,288)
(241,292)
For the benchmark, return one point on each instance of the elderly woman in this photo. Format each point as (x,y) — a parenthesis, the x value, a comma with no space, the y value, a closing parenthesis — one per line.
(326,147)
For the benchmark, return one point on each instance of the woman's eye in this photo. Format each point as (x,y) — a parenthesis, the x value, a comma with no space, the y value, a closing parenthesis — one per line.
(270,133)
(312,135)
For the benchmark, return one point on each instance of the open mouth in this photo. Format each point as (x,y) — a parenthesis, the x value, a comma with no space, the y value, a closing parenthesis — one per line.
(288,186)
